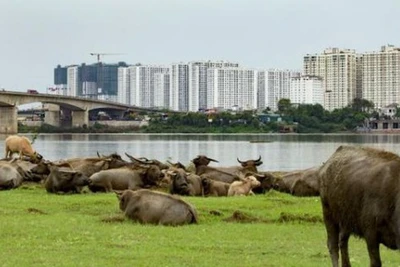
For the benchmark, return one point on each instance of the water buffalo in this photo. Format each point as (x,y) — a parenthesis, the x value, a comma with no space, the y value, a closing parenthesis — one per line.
(214,188)
(183,183)
(143,160)
(152,207)
(89,166)
(128,177)
(266,180)
(301,183)
(243,187)
(360,195)
(65,179)
(10,176)
(224,174)
(22,146)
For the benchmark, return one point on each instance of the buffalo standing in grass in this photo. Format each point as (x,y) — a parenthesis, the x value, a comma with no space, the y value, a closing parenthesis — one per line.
(152,207)
(360,195)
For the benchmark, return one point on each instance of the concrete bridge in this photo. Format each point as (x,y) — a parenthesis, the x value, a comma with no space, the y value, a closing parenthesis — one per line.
(63,111)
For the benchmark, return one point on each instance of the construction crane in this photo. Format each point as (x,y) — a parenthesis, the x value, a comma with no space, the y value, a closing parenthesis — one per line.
(99,55)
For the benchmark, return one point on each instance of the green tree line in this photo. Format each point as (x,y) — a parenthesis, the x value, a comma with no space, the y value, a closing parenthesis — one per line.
(304,118)
(300,118)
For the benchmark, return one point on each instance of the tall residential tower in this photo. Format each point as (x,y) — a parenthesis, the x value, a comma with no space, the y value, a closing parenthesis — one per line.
(337,68)
(381,76)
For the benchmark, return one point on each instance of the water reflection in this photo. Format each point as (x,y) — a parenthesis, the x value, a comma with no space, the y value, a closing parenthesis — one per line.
(278,151)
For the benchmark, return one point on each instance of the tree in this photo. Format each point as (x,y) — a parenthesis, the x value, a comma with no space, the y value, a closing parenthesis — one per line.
(284,105)
(362,105)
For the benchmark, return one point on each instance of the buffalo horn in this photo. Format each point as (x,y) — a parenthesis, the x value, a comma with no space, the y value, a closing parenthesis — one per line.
(133,159)
(210,159)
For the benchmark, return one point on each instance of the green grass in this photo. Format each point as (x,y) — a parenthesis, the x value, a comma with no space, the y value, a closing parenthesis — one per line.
(41,229)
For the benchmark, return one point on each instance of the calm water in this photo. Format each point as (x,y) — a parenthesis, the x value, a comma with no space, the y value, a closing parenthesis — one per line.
(279,152)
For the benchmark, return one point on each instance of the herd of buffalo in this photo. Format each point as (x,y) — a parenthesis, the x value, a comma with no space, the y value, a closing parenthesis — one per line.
(359,188)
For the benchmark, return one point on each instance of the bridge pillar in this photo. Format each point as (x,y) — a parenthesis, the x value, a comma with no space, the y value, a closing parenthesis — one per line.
(8,120)
(52,115)
(80,118)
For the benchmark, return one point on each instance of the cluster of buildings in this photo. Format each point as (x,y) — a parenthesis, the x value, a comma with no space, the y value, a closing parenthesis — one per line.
(332,78)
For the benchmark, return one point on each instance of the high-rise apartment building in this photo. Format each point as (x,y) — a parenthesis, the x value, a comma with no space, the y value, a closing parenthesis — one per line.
(88,81)
(273,85)
(142,79)
(198,81)
(98,81)
(381,76)
(123,95)
(161,90)
(59,86)
(232,88)
(179,87)
(307,90)
(73,80)
(337,68)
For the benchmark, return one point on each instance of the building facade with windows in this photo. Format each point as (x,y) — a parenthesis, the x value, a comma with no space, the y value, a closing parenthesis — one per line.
(198,81)
(273,85)
(338,69)
(142,84)
(307,90)
(97,81)
(123,95)
(161,90)
(179,87)
(231,88)
(380,81)
(73,81)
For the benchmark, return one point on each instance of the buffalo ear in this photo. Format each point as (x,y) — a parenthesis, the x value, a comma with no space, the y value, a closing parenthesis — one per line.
(118,193)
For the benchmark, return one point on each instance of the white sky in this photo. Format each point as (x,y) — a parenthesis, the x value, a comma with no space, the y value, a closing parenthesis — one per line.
(37,35)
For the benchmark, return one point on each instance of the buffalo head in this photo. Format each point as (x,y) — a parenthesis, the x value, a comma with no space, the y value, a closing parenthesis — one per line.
(202,160)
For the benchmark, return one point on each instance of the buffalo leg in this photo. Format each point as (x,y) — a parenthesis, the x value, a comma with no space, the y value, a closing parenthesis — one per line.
(332,230)
(373,250)
(344,248)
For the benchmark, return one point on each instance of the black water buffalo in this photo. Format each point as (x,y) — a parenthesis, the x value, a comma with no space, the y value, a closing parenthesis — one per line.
(183,183)
(65,179)
(146,206)
(360,195)
(266,180)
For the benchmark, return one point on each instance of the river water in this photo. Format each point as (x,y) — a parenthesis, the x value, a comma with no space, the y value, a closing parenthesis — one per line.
(279,152)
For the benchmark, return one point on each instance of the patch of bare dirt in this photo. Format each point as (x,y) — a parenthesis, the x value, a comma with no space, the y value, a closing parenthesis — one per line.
(36,211)
(242,217)
(287,217)
(114,219)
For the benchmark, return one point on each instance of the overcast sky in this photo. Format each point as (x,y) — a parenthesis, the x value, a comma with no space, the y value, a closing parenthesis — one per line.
(37,35)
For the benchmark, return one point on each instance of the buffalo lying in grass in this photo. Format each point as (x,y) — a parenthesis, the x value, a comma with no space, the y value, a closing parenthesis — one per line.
(152,207)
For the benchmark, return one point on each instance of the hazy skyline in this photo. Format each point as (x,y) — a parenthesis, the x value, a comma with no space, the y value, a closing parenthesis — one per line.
(38,35)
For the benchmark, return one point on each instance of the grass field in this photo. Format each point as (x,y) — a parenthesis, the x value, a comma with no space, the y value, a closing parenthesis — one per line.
(41,229)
